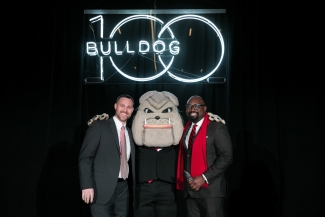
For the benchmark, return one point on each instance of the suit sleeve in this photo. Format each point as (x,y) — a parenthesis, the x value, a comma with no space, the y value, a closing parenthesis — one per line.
(87,154)
(221,153)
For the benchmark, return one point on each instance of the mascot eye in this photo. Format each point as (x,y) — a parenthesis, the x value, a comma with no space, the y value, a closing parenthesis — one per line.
(146,110)
(167,110)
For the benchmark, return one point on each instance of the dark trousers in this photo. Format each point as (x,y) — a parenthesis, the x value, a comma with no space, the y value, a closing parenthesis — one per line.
(117,206)
(205,207)
(156,199)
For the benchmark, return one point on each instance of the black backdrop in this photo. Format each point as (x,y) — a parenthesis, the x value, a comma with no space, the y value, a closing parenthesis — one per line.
(275,118)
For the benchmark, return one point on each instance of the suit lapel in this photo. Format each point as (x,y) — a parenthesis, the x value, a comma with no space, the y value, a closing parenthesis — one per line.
(184,138)
(114,134)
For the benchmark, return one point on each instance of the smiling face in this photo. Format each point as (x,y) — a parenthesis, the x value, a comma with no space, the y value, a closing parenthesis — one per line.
(123,109)
(195,114)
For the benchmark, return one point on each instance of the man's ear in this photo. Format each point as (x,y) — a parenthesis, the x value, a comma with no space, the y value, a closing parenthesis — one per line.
(104,116)
(205,108)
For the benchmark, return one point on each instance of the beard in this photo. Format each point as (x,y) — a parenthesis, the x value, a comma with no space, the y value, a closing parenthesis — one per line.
(123,118)
(193,119)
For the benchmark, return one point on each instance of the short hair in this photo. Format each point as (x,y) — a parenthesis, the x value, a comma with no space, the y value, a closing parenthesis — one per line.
(195,96)
(124,96)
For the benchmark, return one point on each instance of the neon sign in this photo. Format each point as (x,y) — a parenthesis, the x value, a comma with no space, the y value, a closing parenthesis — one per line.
(166,45)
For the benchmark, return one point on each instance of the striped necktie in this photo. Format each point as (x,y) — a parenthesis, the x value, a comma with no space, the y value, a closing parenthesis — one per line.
(192,136)
(123,168)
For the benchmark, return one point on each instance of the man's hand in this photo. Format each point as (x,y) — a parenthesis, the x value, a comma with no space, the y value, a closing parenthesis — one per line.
(196,183)
(88,195)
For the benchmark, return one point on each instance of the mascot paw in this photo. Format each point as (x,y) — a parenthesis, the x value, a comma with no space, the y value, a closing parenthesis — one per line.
(213,117)
(104,116)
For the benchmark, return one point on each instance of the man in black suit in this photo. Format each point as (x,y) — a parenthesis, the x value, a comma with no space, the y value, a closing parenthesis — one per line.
(206,157)
(157,128)
(99,163)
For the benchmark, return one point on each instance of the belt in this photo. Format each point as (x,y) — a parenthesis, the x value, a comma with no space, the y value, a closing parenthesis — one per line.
(121,180)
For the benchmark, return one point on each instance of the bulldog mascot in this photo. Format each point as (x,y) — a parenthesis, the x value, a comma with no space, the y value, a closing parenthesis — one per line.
(157,129)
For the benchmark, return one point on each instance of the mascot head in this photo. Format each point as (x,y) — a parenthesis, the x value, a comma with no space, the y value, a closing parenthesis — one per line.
(157,122)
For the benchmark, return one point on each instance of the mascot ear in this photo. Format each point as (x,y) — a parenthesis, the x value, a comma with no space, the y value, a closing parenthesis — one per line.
(148,94)
(171,97)
(213,117)
(104,116)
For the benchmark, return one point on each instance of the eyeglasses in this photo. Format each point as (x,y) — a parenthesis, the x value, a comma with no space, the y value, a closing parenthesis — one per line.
(195,106)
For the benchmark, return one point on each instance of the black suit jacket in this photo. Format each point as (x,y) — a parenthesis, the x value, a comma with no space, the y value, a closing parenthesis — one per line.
(219,157)
(156,165)
(99,159)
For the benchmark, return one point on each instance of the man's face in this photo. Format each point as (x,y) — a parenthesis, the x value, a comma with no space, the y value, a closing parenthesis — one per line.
(195,113)
(123,109)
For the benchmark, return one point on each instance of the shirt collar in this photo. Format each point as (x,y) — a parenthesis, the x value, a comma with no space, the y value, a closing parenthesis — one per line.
(118,123)
(199,124)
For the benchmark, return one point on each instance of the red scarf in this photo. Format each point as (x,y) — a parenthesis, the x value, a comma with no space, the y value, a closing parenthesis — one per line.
(199,162)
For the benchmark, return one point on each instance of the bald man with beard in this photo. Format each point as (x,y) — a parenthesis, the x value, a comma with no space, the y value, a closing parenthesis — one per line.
(206,160)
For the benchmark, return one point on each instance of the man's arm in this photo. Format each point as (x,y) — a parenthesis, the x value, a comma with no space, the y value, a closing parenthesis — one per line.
(86,157)
(223,154)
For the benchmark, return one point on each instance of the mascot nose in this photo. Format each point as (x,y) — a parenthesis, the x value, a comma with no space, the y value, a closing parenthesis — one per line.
(157,117)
